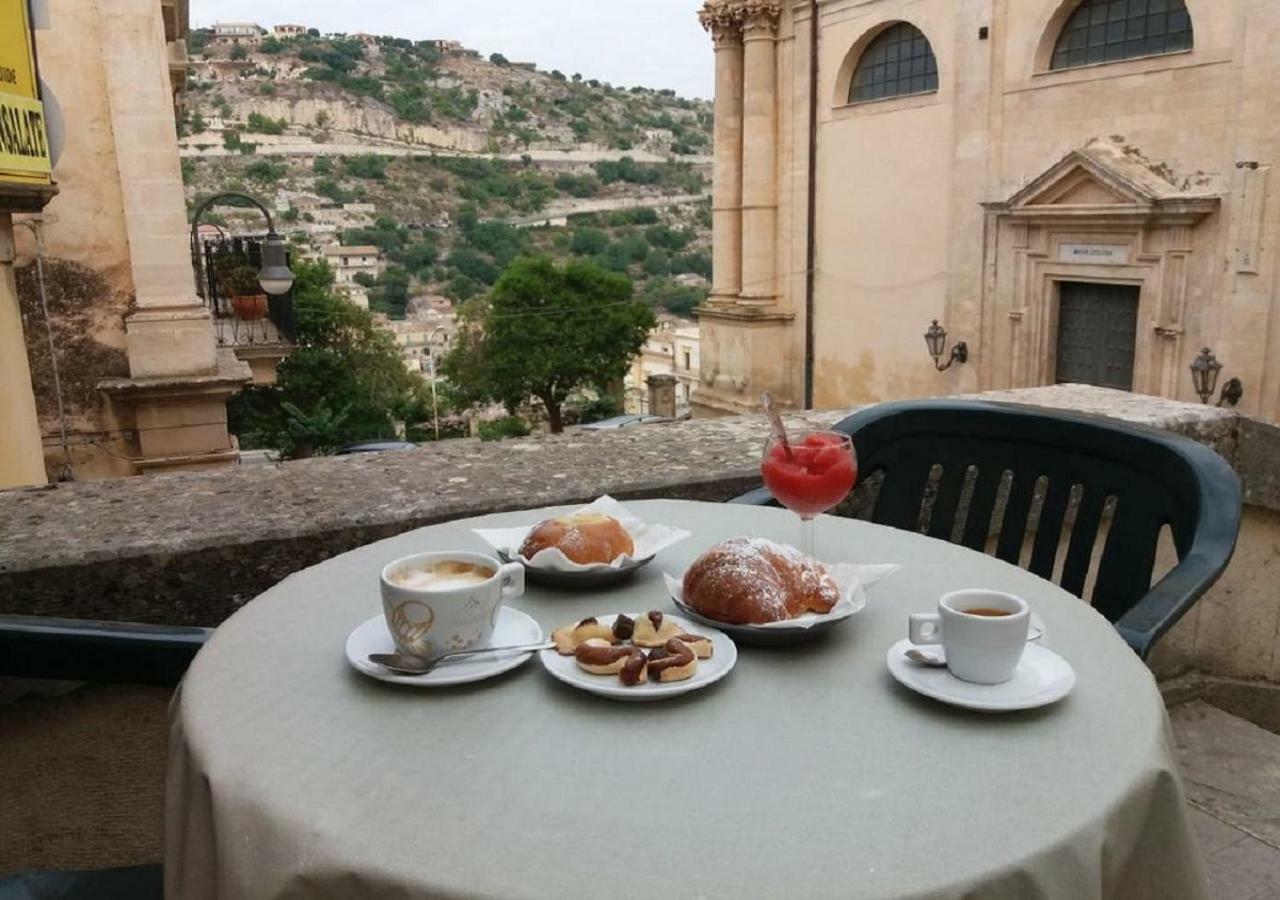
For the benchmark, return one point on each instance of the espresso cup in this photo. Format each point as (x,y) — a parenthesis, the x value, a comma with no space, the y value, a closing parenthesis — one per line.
(983,633)
(438,603)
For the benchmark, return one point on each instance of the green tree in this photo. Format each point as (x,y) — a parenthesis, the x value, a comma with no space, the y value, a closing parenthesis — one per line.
(546,331)
(368,166)
(498,59)
(343,382)
(588,241)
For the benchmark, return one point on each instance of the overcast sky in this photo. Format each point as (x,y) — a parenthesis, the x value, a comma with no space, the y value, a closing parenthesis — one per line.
(654,43)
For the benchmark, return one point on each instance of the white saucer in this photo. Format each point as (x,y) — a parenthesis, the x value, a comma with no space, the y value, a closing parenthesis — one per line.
(513,627)
(723,656)
(1042,677)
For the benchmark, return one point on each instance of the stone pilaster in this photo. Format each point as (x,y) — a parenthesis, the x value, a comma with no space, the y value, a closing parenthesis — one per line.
(179,380)
(21,453)
(725,24)
(759,155)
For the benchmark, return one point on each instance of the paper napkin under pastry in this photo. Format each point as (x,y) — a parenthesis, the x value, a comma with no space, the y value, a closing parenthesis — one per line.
(649,539)
(852,580)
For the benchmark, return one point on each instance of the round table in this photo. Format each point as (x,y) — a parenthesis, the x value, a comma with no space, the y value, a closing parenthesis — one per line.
(808,772)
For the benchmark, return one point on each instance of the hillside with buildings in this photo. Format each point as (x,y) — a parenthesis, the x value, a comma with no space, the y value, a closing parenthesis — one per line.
(418,170)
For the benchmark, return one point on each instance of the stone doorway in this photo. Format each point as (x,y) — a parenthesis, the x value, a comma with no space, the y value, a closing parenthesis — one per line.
(1097,333)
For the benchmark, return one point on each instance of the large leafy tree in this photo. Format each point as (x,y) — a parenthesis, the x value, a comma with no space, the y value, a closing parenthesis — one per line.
(344,381)
(546,331)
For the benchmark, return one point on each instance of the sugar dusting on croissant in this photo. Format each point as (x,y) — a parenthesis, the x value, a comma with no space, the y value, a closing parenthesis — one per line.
(751,581)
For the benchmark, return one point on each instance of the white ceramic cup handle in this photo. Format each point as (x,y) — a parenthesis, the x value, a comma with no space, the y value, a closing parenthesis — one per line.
(925,628)
(512,575)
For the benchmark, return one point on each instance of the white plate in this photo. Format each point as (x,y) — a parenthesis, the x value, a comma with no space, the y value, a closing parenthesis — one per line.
(709,671)
(513,627)
(1042,677)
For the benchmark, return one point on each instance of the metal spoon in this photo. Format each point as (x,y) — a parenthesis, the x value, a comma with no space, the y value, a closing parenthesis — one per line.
(926,659)
(407,664)
(775,423)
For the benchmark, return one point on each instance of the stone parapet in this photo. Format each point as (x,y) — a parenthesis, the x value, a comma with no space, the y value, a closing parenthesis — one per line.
(192,547)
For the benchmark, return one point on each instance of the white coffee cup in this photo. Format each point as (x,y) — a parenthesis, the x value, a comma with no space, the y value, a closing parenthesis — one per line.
(455,613)
(981,647)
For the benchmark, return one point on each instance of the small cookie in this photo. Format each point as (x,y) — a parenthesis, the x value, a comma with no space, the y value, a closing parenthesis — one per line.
(653,629)
(636,669)
(673,662)
(599,657)
(623,627)
(701,645)
(570,637)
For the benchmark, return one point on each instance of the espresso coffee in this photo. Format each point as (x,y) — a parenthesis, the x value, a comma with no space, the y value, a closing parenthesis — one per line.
(448,575)
(987,611)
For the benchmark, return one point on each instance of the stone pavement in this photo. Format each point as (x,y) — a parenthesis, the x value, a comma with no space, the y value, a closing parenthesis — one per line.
(1231,770)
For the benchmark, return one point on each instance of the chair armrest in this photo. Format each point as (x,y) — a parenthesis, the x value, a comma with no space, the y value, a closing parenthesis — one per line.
(758,497)
(1167,601)
(87,650)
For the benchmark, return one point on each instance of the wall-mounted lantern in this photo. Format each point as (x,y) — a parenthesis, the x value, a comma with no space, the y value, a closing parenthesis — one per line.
(936,340)
(1204,376)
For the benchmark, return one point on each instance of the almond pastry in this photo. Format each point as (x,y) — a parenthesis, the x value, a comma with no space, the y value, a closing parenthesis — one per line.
(700,644)
(602,658)
(674,661)
(653,629)
(569,637)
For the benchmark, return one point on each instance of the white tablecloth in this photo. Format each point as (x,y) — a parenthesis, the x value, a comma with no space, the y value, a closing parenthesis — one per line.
(807,772)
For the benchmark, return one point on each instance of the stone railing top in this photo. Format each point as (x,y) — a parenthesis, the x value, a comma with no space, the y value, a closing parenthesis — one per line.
(174,547)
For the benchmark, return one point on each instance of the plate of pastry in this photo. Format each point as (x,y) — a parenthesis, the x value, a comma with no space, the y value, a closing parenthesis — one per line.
(595,546)
(761,592)
(649,656)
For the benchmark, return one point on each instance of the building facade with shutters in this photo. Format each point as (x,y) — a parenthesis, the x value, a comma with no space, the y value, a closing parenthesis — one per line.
(1079,190)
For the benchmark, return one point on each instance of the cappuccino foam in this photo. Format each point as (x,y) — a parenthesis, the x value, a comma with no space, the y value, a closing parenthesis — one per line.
(442,576)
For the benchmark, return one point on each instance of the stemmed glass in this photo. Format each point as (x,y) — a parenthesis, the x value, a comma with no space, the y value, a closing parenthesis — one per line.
(810,472)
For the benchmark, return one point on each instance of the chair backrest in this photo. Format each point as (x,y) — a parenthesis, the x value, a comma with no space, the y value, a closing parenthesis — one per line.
(105,652)
(1139,478)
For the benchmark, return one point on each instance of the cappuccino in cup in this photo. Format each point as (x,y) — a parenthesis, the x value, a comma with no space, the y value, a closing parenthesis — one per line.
(439,603)
(441,576)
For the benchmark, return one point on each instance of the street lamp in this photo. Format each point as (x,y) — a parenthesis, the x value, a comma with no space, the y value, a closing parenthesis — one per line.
(936,340)
(275,276)
(1204,375)
(431,359)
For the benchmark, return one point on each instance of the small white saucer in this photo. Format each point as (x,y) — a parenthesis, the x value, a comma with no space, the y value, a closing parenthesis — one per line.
(1042,677)
(723,656)
(513,627)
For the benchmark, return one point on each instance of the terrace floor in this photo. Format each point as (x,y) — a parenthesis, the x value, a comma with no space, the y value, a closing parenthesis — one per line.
(84,785)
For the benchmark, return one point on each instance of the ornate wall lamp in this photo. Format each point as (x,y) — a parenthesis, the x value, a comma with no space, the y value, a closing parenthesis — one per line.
(275,275)
(1204,375)
(936,340)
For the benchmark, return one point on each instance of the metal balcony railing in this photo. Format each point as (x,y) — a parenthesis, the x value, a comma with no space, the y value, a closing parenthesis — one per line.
(277,327)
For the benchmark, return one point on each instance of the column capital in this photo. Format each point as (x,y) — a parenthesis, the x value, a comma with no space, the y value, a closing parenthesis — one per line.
(723,20)
(760,17)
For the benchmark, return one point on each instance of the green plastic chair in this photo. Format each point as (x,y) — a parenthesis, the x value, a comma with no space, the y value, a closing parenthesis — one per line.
(1144,478)
(39,647)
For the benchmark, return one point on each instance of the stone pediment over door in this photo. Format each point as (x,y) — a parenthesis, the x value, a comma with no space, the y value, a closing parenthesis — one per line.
(1100,184)
(1100,215)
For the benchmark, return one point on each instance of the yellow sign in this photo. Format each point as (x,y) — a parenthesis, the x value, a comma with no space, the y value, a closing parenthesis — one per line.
(24,143)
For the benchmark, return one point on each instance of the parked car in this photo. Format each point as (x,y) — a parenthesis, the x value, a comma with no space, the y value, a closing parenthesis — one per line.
(624,422)
(373,447)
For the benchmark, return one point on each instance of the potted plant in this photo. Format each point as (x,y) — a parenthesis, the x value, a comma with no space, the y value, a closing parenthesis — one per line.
(239,282)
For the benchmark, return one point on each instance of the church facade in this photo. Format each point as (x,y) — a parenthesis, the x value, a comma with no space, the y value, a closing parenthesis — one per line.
(1077,190)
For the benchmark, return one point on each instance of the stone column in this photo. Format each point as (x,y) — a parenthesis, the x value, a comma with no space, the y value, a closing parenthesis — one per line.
(725,24)
(759,153)
(21,453)
(662,395)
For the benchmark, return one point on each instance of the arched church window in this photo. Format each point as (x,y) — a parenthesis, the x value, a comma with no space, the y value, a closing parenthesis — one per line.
(898,61)
(1102,31)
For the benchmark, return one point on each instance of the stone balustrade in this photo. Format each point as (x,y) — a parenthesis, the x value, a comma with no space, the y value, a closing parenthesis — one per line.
(191,548)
